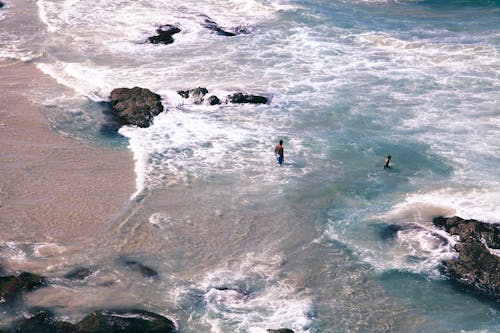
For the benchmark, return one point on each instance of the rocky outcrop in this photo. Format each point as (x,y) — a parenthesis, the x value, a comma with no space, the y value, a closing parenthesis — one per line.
(165,33)
(136,106)
(103,321)
(122,321)
(476,267)
(280,330)
(43,321)
(252,99)
(12,287)
(198,97)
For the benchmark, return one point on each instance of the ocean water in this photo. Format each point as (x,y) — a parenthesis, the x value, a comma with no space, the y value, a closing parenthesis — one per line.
(330,241)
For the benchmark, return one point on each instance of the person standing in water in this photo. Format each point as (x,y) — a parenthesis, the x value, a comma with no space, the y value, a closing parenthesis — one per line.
(387,160)
(280,155)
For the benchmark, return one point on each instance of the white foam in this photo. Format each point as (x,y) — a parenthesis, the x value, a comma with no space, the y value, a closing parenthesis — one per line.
(474,203)
(187,144)
(251,297)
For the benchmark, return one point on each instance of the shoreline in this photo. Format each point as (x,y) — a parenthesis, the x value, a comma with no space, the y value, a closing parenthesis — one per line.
(53,188)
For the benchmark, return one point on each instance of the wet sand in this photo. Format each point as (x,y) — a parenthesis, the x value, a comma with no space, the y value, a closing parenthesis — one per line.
(53,188)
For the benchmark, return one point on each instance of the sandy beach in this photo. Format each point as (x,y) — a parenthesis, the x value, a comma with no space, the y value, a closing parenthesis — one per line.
(52,187)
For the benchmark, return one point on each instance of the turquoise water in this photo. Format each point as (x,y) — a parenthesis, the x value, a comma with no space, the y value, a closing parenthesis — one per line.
(243,245)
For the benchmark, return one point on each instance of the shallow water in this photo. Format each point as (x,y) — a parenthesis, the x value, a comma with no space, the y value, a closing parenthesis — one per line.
(240,243)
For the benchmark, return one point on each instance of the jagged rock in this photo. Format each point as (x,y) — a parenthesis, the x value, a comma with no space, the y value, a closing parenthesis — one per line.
(165,33)
(196,94)
(43,322)
(214,100)
(143,269)
(122,321)
(11,287)
(476,267)
(136,106)
(280,330)
(241,98)
(470,229)
(78,273)
(211,25)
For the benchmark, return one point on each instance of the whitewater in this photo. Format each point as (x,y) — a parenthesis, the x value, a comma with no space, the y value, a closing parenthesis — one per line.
(241,244)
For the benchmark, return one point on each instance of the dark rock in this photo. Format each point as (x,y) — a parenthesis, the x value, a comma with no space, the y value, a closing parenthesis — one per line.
(136,106)
(476,267)
(387,231)
(1,4)
(183,93)
(470,230)
(281,330)
(121,321)
(43,322)
(165,33)
(196,94)
(241,98)
(78,273)
(214,100)
(211,25)
(11,287)
(143,269)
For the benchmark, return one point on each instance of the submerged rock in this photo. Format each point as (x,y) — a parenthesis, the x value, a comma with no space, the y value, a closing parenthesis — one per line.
(136,106)
(280,330)
(1,4)
(252,99)
(143,269)
(79,273)
(11,287)
(165,33)
(476,267)
(43,322)
(122,321)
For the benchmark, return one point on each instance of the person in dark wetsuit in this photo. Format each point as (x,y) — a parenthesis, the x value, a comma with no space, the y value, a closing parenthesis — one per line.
(387,160)
(280,155)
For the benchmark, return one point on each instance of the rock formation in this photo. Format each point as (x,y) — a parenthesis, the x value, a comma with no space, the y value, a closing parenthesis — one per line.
(198,97)
(136,106)
(476,267)
(11,287)
(165,33)
(102,321)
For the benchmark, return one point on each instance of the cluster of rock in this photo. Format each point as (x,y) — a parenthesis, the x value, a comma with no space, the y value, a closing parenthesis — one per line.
(166,31)
(475,267)
(138,106)
(198,97)
(12,287)
(102,321)
(211,25)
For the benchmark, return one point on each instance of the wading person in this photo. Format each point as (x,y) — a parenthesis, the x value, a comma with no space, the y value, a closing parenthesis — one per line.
(280,156)
(387,160)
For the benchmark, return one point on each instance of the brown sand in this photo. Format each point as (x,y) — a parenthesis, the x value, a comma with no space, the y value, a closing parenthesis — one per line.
(52,188)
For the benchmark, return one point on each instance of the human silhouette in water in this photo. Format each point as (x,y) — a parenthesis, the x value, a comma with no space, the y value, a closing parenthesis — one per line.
(280,155)
(387,160)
